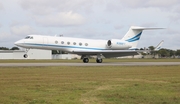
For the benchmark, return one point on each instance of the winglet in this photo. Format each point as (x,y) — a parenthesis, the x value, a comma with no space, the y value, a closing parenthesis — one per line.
(158,47)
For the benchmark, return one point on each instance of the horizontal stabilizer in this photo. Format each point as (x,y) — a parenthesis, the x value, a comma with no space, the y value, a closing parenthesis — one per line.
(144,28)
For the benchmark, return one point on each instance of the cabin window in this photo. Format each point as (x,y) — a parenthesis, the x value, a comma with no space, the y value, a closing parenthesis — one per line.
(74,43)
(56,42)
(80,44)
(62,42)
(68,43)
(86,44)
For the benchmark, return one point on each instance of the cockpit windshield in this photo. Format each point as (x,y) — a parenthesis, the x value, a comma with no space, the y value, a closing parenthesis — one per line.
(29,37)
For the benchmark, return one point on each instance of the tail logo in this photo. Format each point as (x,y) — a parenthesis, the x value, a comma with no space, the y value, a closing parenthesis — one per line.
(135,38)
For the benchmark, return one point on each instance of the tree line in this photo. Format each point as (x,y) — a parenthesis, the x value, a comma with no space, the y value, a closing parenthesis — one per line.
(163,52)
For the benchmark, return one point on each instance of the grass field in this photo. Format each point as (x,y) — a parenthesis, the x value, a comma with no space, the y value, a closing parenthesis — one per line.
(90,85)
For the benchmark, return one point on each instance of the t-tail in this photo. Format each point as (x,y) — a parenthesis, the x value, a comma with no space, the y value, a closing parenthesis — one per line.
(134,34)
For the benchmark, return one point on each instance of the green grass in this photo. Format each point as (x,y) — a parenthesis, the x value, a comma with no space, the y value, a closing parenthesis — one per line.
(90,85)
(91,60)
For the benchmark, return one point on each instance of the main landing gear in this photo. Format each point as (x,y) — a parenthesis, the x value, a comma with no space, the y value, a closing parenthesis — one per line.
(98,60)
(85,60)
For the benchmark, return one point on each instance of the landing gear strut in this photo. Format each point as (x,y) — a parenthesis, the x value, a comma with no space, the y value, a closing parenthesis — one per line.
(25,55)
(99,59)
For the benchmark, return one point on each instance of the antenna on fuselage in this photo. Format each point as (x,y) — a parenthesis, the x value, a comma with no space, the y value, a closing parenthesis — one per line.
(61,35)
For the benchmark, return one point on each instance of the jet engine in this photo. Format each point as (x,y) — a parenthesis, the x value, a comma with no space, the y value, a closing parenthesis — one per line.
(117,44)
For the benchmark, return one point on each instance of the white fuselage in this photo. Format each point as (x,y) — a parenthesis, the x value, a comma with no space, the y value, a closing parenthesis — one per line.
(87,47)
(70,44)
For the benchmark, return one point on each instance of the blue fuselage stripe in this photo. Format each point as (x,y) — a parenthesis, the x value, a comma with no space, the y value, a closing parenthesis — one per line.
(61,46)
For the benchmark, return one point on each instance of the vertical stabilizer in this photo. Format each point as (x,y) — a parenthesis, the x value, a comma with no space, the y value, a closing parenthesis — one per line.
(134,34)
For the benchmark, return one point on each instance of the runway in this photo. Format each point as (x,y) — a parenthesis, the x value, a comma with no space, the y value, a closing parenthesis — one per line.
(90,64)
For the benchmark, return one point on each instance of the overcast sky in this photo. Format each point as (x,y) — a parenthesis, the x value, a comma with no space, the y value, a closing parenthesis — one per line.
(96,19)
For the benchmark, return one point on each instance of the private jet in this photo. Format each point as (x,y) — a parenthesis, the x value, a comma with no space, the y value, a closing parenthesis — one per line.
(87,47)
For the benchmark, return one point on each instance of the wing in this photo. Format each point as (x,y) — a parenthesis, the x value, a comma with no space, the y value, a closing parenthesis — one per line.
(158,47)
(108,53)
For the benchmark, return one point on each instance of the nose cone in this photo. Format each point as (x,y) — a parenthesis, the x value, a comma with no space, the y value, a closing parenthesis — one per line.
(19,43)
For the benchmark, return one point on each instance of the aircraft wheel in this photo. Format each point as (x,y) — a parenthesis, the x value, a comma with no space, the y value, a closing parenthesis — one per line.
(99,60)
(85,60)
(25,55)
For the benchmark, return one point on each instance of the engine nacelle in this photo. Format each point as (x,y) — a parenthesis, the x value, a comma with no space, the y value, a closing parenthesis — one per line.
(117,44)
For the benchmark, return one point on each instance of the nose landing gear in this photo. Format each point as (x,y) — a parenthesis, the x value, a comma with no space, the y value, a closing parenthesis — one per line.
(26,55)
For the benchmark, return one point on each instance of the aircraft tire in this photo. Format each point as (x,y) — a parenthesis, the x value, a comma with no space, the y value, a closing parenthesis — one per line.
(85,60)
(25,55)
(99,60)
